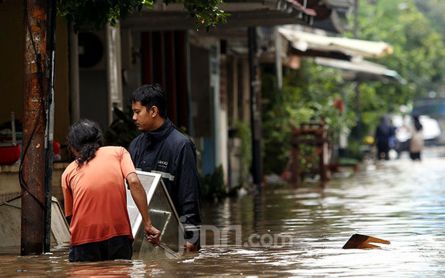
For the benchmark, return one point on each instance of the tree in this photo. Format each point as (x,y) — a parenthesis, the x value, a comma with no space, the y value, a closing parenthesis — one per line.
(418,54)
(434,10)
(308,93)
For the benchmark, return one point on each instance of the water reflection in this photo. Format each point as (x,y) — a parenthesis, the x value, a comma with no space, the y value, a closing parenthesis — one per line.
(111,269)
(400,201)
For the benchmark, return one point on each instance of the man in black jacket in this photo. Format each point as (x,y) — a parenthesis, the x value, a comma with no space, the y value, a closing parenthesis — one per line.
(163,149)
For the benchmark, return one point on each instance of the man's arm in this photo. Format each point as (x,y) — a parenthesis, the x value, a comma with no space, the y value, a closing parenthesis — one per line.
(140,199)
(189,197)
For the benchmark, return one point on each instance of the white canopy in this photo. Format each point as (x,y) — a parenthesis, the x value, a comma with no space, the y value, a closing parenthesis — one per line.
(304,41)
(360,68)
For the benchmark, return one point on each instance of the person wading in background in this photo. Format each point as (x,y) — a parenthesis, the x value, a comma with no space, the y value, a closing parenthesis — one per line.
(417,142)
(383,133)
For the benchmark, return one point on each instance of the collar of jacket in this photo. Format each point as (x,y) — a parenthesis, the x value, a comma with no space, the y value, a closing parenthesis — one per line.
(157,135)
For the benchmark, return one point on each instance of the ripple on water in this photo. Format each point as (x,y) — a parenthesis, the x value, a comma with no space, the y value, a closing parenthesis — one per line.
(400,201)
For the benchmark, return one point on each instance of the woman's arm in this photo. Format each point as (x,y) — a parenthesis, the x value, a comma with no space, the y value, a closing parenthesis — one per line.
(140,199)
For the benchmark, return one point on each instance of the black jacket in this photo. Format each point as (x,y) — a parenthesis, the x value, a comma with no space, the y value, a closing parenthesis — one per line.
(173,155)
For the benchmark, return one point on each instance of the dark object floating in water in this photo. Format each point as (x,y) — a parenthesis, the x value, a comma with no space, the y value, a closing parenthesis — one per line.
(358,241)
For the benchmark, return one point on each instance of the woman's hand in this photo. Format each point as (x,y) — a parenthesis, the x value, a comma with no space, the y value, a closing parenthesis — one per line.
(152,234)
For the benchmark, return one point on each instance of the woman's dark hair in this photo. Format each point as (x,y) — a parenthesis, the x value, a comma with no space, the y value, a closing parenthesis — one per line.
(417,125)
(85,137)
(151,95)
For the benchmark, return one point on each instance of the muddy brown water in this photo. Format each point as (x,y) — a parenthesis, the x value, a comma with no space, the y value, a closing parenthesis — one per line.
(285,232)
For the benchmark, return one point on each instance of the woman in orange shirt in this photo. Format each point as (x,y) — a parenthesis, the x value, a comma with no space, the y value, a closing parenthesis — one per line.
(95,198)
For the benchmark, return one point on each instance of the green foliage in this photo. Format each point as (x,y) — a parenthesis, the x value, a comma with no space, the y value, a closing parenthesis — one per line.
(418,51)
(434,10)
(212,186)
(122,130)
(418,54)
(354,151)
(206,12)
(93,14)
(243,132)
(307,95)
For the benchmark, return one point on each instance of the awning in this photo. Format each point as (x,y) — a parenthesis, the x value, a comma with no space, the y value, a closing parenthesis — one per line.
(361,69)
(304,41)
(242,13)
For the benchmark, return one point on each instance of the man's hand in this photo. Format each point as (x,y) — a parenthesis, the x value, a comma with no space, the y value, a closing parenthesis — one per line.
(190,247)
(152,234)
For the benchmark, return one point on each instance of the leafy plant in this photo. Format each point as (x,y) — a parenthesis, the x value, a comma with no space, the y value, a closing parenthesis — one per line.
(122,130)
(307,95)
(206,13)
(212,185)
(243,132)
(94,14)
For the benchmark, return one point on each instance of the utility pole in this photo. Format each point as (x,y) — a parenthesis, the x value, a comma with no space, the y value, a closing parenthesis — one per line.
(278,63)
(33,161)
(255,115)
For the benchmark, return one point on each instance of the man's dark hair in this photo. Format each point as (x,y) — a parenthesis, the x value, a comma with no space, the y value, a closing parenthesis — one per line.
(151,95)
(85,137)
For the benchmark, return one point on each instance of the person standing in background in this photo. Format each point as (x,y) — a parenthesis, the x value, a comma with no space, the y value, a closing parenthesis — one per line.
(383,133)
(417,142)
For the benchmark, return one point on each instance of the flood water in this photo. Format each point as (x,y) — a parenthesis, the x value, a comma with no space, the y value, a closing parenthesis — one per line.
(285,232)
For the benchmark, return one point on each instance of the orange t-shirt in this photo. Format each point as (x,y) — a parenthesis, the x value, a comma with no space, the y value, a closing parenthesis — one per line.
(95,196)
